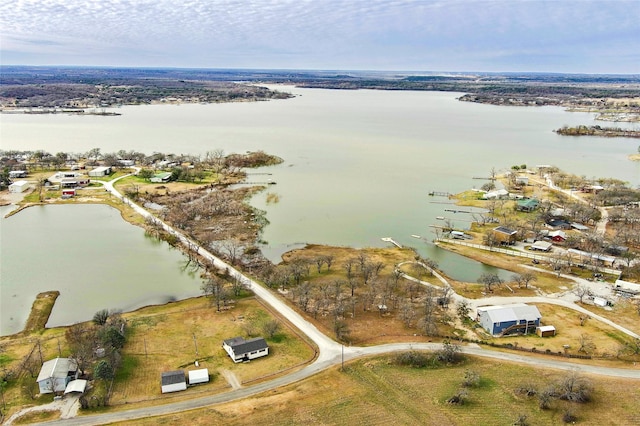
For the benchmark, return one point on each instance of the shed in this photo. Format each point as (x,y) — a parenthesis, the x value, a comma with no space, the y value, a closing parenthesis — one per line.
(68,192)
(504,235)
(522,180)
(541,246)
(509,319)
(56,374)
(198,376)
(173,381)
(546,331)
(78,385)
(240,349)
(19,186)
(100,171)
(600,301)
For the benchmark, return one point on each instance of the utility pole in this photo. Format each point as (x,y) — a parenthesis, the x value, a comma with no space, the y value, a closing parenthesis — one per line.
(342,367)
(195,342)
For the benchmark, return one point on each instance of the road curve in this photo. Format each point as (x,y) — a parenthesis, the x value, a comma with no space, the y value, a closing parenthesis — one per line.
(330,353)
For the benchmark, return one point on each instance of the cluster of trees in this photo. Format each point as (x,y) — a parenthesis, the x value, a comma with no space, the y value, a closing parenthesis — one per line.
(491,280)
(69,91)
(97,348)
(362,283)
(598,131)
(572,388)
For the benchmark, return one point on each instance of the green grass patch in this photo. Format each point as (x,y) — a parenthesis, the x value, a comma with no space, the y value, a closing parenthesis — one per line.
(127,367)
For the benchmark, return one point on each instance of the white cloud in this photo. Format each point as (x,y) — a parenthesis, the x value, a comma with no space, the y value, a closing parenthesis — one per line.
(391,34)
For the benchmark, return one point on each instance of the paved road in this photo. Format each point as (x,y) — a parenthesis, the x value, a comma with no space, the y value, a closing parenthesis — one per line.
(330,352)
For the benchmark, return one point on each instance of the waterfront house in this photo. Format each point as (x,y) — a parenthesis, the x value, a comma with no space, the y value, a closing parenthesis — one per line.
(509,319)
(240,349)
(56,373)
(173,381)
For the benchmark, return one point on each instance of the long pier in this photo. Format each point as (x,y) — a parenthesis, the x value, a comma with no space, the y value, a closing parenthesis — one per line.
(440,194)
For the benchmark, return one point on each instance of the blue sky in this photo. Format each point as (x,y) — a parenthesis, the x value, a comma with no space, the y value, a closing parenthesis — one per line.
(571,36)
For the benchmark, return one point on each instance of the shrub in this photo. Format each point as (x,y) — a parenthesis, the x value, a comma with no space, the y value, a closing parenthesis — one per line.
(413,359)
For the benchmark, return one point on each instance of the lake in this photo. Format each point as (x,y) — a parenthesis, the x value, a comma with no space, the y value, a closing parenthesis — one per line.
(93,257)
(358,164)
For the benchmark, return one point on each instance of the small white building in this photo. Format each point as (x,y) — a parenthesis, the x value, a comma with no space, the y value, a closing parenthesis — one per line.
(240,349)
(17,174)
(199,376)
(19,186)
(173,381)
(100,171)
(56,374)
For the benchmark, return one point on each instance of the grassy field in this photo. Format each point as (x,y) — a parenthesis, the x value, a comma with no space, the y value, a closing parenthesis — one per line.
(378,392)
(161,338)
(174,336)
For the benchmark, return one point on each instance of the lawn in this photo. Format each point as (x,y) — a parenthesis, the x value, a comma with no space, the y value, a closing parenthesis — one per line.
(174,336)
(378,392)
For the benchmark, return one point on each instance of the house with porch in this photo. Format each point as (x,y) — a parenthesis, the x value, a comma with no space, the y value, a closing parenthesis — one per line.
(56,374)
(240,349)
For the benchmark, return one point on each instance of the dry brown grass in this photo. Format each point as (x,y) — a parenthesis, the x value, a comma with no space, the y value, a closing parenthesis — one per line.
(164,338)
(377,392)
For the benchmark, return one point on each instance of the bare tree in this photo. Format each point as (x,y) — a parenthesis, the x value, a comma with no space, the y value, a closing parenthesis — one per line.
(271,327)
(581,291)
(489,279)
(586,344)
(214,288)
(524,279)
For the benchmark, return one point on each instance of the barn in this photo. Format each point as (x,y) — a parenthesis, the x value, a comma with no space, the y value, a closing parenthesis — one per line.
(501,320)
(173,381)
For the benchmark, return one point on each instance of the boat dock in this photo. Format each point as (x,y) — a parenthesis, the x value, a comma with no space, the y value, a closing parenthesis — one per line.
(440,194)
(390,240)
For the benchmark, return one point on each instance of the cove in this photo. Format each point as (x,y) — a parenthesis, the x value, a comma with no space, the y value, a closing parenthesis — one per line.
(92,256)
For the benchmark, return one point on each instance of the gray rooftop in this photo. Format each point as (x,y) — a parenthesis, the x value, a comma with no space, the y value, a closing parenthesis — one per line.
(242,346)
(173,377)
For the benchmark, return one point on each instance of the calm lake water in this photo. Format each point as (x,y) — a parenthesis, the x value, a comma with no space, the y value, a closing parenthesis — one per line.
(93,257)
(358,164)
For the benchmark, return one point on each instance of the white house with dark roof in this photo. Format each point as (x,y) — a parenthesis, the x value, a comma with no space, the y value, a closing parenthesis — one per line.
(240,349)
(56,373)
(509,319)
